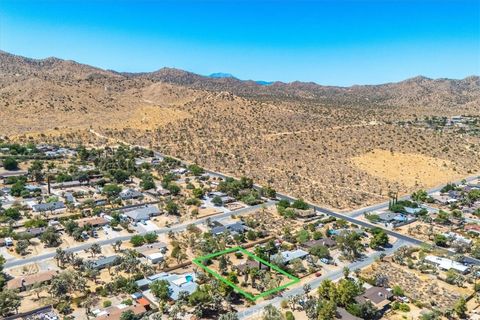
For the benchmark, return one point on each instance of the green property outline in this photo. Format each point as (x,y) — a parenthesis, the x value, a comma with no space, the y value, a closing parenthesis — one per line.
(198,261)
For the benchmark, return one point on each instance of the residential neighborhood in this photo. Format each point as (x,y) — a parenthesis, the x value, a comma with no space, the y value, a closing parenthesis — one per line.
(97,234)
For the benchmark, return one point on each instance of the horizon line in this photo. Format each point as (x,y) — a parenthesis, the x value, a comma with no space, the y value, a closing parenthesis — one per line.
(232,76)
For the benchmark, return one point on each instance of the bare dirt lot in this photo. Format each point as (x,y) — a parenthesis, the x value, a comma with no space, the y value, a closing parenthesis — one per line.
(410,169)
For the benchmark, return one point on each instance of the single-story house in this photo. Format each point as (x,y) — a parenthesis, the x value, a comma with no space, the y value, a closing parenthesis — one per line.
(214,194)
(24,283)
(250,264)
(227,199)
(380,297)
(447,264)
(7,174)
(327,242)
(395,218)
(115,312)
(474,228)
(154,257)
(49,206)
(31,188)
(234,228)
(154,252)
(287,256)
(68,184)
(92,221)
(106,262)
(458,238)
(337,232)
(142,213)
(177,283)
(305,214)
(69,198)
(151,247)
(33,232)
(387,217)
(413,211)
(129,194)
(343,314)
(179,171)
(443,199)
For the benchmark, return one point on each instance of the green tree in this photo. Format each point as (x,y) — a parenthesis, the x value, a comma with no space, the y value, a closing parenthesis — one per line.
(36,170)
(10,163)
(94,249)
(441,240)
(137,240)
(379,239)
(327,290)
(147,182)
(347,290)
(150,237)
(198,193)
(303,236)
(270,312)
(21,247)
(289,315)
(129,315)
(420,196)
(120,176)
(12,213)
(398,291)
(9,301)
(171,207)
(326,310)
(2,262)
(460,308)
(173,188)
(111,190)
(229,316)
(319,251)
(196,170)
(51,237)
(17,188)
(217,201)
(300,204)
(160,289)
(350,245)
(268,192)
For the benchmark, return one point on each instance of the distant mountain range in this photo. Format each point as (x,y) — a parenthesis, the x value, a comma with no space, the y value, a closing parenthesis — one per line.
(21,77)
(298,137)
(218,75)
(221,75)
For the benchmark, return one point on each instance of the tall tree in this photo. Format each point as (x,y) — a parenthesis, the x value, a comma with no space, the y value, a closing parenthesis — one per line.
(270,312)
(9,301)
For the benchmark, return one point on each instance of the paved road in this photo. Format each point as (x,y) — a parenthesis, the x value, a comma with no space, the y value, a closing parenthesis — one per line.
(384,205)
(354,219)
(174,228)
(314,283)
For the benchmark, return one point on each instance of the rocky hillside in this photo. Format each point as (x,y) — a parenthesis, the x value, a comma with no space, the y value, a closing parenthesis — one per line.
(305,139)
(415,92)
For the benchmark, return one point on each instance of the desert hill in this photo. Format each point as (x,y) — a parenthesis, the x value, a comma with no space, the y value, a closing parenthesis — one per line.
(332,145)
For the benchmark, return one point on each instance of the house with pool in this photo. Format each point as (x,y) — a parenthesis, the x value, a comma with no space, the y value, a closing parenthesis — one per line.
(177,283)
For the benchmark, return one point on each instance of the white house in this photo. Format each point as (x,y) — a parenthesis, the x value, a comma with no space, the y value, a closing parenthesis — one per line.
(447,264)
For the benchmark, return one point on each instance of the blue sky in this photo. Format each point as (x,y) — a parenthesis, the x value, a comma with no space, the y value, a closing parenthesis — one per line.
(332,42)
